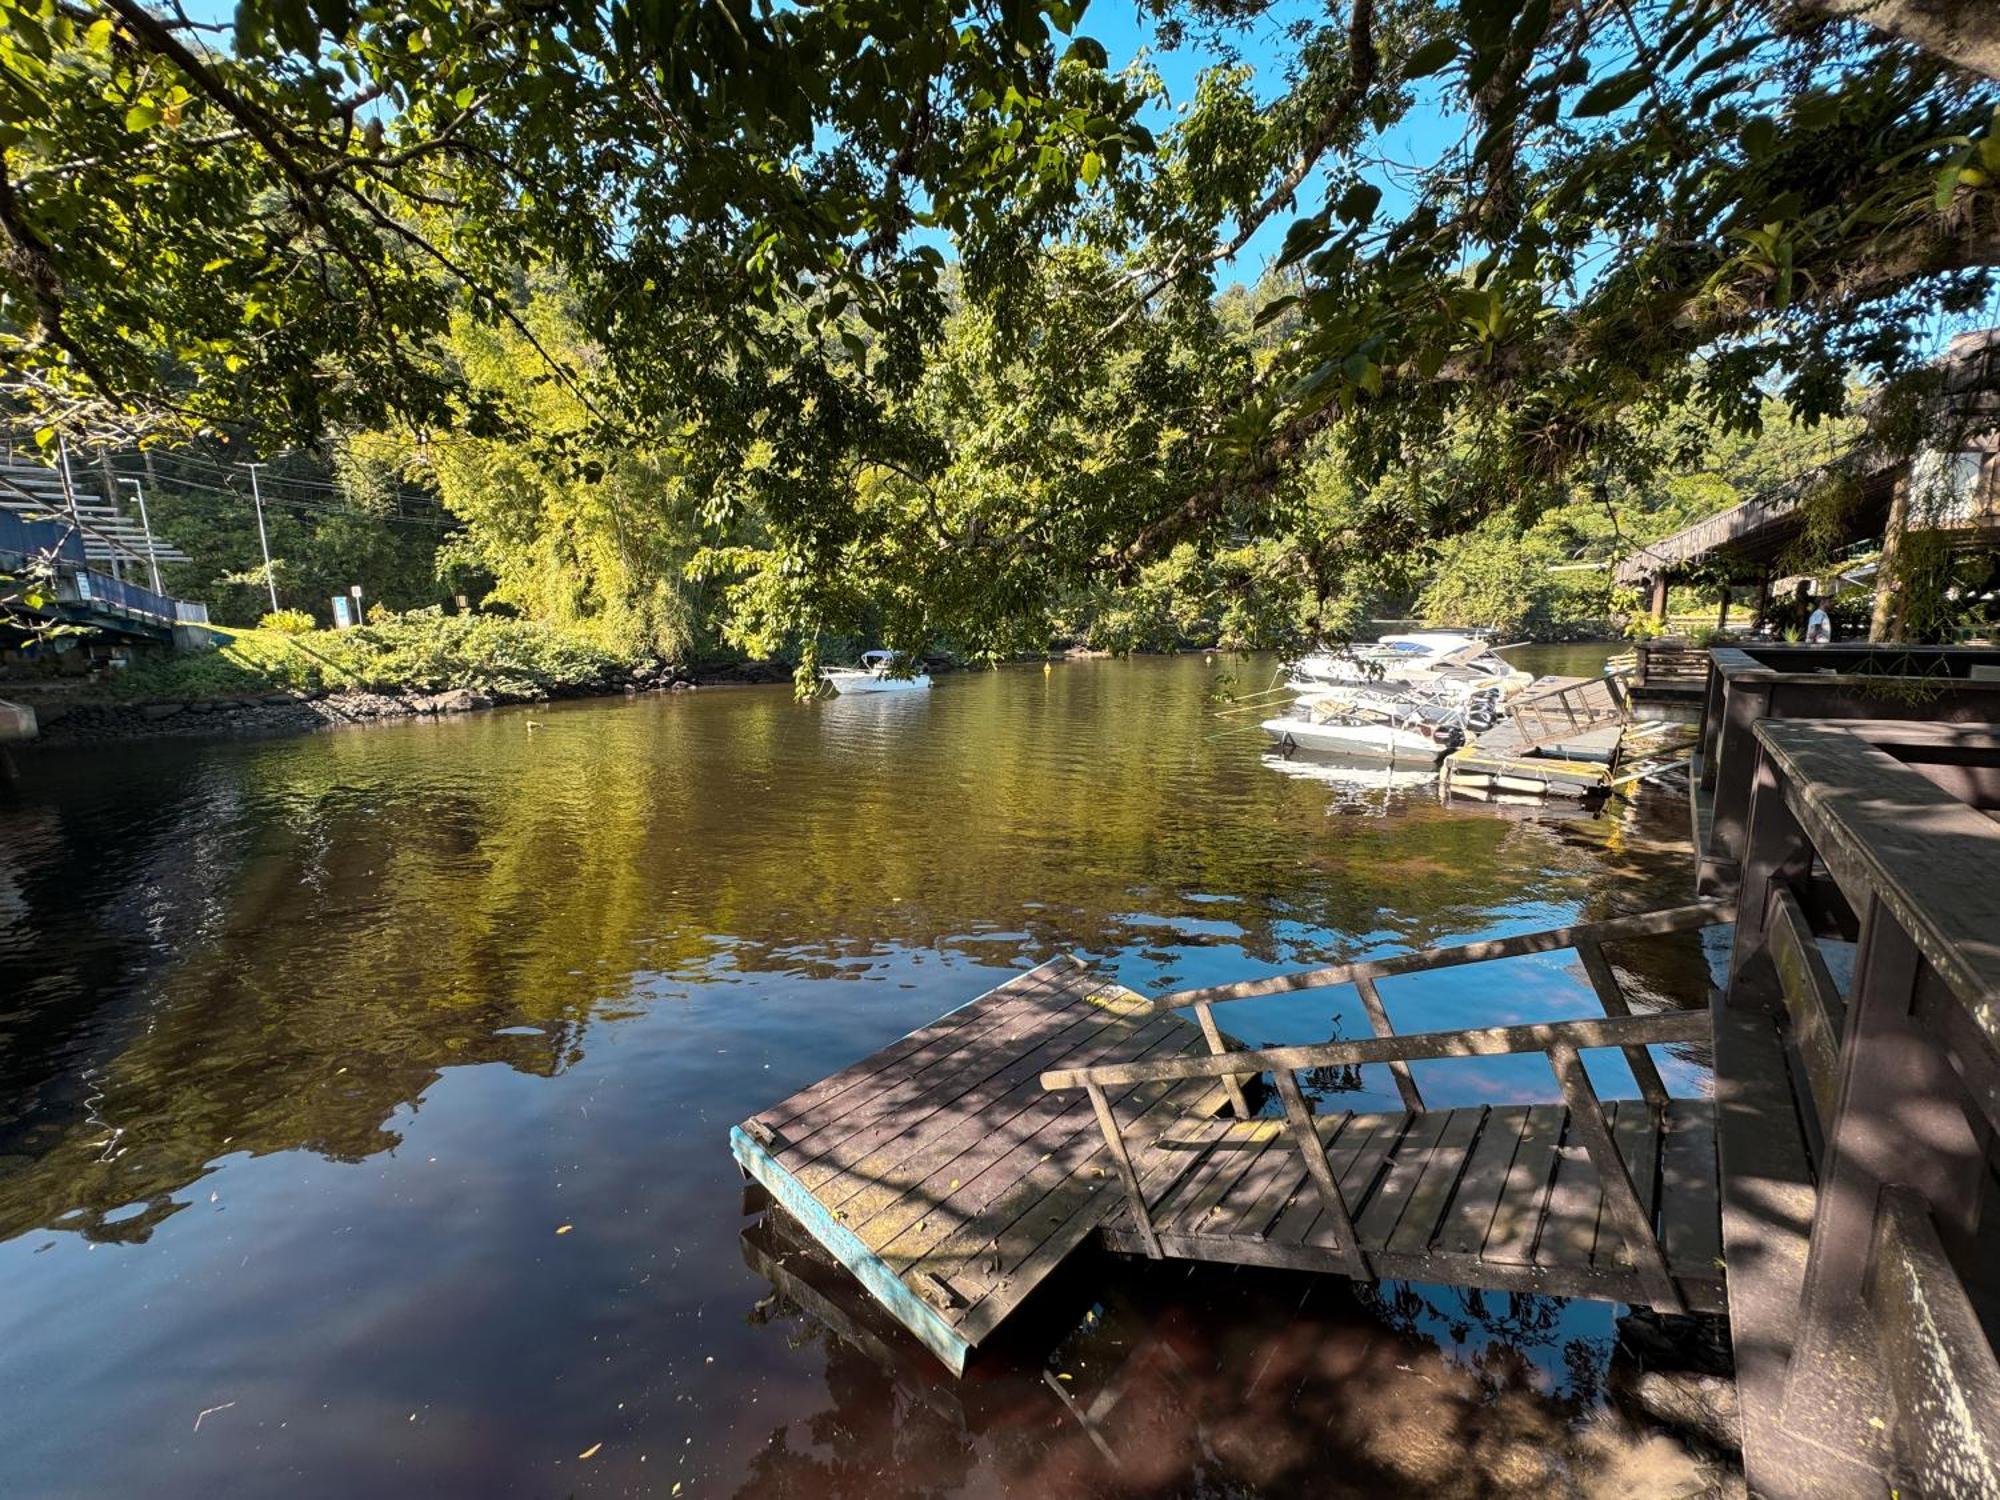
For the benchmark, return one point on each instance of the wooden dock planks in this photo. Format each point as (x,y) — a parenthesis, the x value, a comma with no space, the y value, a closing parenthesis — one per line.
(941,1174)
(951,1184)
(1502,1197)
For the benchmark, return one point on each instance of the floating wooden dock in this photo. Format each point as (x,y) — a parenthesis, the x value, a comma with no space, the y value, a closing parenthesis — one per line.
(954,1171)
(943,1175)
(1560,738)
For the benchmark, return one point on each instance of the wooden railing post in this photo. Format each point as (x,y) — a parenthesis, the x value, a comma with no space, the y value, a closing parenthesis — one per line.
(1232,1084)
(1378,1018)
(1115,1141)
(1611,996)
(1298,1116)
(1621,1199)
(1897,1121)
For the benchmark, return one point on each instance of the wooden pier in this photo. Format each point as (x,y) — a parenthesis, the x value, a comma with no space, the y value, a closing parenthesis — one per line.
(1836,1192)
(1559,738)
(954,1171)
(943,1175)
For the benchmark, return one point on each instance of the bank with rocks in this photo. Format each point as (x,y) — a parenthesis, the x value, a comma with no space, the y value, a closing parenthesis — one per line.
(86,721)
(423,664)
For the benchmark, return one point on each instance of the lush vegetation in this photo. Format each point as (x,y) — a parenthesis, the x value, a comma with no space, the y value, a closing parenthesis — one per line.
(424,651)
(760,328)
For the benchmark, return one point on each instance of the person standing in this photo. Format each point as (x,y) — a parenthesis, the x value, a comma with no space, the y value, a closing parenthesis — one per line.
(1819,625)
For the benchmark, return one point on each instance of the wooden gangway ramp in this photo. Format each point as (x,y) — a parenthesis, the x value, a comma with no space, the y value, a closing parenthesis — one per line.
(943,1175)
(955,1170)
(1506,1198)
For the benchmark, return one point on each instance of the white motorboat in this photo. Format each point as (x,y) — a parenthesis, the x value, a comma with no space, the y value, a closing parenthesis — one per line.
(1336,723)
(1441,661)
(877,673)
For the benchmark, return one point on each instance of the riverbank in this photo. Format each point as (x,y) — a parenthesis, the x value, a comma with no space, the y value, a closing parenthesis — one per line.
(264,683)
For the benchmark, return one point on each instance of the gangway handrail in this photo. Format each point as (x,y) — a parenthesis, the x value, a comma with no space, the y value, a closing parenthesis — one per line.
(1560,1041)
(1644,924)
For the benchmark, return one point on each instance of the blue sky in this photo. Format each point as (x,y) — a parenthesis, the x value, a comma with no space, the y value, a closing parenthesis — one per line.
(1425,135)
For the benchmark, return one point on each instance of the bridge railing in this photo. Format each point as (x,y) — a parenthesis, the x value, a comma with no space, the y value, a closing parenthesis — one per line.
(103,593)
(1855,1295)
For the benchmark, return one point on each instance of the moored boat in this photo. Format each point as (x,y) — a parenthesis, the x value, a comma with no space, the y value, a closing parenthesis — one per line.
(877,673)
(1439,661)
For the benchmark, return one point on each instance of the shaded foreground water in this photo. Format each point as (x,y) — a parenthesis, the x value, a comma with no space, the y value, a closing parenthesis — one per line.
(363,1100)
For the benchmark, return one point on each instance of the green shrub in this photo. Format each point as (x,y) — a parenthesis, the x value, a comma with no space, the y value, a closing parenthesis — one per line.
(287,622)
(423,651)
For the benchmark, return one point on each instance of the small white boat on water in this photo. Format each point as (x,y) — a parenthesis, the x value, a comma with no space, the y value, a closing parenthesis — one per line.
(1439,661)
(876,674)
(1336,723)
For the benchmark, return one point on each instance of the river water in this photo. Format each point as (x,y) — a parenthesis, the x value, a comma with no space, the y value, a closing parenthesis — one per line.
(364,1098)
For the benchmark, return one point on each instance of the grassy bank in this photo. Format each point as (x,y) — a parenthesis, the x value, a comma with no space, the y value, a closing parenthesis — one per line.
(421,652)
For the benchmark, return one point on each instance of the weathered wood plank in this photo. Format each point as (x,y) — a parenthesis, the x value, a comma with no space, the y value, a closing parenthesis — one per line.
(1229,1162)
(909,1309)
(1636,1132)
(1403,1171)
(1016,1278)
(976,1129)
(1073,1160)
(1935,1352)
(1470,1218)
(1335,1220)
(1518,1215)
(1490,1041)
(979,1010)
(1569,1224)
(1356,1164)
(1886,832)
(1812,999)
(1431,1198)
(1014,1058)
(962,1181)
(1264,1193)
(1690,1192)
(986,1037)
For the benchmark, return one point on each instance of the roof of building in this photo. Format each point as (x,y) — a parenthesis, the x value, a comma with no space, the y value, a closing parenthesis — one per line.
(1761,528)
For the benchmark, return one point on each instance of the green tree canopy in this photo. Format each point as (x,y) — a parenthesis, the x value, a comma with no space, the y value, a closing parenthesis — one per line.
(912,318)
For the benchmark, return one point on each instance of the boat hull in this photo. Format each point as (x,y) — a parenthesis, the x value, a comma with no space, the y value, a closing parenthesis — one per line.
(1378,741)
(847,682)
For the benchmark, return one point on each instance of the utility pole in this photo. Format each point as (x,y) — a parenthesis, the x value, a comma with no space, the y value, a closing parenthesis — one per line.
(152,559)
(263,541)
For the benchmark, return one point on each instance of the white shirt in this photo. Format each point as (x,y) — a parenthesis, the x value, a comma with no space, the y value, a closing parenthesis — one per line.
(1819,625)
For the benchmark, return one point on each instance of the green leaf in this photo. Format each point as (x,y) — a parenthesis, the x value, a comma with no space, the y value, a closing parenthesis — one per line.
(1271,311)
(1432,57)
(1305,236)
(142,117)
(1088,51)
(1092,166)
(1611,93)
(1357,205)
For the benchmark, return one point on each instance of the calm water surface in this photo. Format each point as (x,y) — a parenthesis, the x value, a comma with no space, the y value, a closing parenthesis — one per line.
(364,1099)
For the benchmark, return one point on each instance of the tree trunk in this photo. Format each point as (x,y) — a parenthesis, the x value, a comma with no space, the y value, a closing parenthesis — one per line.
(1882,621)
(1965,32)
